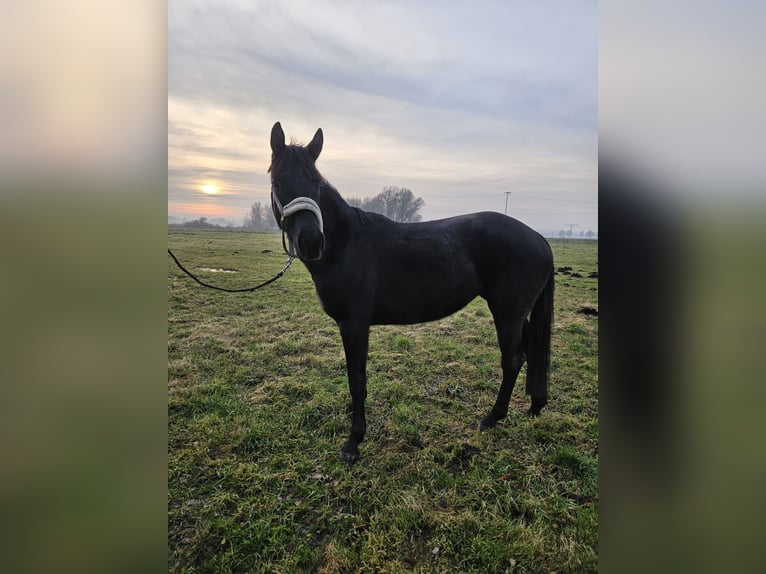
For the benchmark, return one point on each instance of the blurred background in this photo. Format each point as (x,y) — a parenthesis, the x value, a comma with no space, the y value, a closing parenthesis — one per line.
(83,215)
(682,210)
(83,305)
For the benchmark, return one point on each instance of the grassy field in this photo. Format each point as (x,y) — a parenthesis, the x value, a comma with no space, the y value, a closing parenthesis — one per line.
(257,394)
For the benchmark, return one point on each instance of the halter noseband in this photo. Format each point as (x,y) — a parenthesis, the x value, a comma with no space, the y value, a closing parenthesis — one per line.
(298,204)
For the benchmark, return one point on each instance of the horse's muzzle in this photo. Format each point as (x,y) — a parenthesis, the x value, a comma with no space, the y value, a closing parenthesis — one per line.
(310,243)
(305,230)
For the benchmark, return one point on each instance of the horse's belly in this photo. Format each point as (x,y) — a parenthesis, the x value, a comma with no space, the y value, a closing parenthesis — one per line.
(419,303)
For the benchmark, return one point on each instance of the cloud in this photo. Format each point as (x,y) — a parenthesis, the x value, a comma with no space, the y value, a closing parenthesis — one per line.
(494,96)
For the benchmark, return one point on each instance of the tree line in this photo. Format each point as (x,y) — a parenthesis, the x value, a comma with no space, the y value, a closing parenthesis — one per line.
(567,233)
(396,203)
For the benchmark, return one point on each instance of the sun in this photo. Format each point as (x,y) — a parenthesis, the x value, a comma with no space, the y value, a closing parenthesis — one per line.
(210,189)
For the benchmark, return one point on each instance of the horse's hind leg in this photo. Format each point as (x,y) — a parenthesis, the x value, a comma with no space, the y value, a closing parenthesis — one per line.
(510,337)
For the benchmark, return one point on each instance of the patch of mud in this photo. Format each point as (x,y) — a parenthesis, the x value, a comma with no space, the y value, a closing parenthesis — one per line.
(462,457)
(584,310)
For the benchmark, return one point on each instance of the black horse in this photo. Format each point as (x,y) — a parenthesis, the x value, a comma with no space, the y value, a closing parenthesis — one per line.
(369,270)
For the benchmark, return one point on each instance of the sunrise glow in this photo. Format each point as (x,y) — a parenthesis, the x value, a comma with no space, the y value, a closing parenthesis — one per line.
(210,189)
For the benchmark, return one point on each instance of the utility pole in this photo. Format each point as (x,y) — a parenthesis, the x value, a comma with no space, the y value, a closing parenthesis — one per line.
(571,225)
(507,195)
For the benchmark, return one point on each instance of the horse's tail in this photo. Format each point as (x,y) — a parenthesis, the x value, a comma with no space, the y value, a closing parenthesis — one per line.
(539,347)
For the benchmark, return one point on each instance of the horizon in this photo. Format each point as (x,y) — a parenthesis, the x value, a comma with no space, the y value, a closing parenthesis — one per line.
(225,223)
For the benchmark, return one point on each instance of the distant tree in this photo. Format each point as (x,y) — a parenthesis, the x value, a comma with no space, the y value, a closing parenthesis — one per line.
(582,233)
(402,205)
(259,218)
(562,233)
(569,232)
(590,234)
(374,204)
(397,203)
(254,217)
(270,219)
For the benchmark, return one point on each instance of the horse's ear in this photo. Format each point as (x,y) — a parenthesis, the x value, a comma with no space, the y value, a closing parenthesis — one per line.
(277,138)
(315,147)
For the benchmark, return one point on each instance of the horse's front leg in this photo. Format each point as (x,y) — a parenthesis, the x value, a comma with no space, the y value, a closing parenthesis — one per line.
(355,336)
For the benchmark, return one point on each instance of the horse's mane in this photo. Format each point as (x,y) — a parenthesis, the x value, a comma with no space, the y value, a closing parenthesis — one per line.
(361,214)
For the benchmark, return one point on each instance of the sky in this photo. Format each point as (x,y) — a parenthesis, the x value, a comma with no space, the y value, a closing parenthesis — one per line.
(460,102)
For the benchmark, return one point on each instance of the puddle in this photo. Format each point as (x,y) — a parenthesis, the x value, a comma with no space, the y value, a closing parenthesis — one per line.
(214,270)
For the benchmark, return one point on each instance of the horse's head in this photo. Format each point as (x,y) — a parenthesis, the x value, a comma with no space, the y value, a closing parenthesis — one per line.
(295,189)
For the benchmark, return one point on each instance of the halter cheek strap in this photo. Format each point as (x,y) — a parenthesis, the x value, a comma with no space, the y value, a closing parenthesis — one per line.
(296,205)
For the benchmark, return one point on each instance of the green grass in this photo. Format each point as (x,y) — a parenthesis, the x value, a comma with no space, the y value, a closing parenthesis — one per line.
(257,414)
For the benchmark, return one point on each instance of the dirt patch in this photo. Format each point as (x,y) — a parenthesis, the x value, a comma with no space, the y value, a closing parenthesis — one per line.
(462,457)
(585,310)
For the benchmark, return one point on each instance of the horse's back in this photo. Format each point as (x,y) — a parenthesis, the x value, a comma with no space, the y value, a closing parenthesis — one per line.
(423,271)
(504,235)
(484,242)
(495,240)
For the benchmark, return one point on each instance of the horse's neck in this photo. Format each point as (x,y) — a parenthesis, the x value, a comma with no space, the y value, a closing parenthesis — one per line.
(338,219)
(334,209)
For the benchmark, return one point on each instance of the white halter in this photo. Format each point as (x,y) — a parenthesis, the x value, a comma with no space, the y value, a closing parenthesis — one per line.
(296,205)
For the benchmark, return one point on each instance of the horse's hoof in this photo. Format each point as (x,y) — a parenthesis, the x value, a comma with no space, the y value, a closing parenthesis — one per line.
(534,411)
(536,406)
(488,422)
(350,452)
(349,457)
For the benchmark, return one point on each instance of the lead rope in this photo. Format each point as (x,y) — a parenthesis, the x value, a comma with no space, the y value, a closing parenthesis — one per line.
(282,271)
